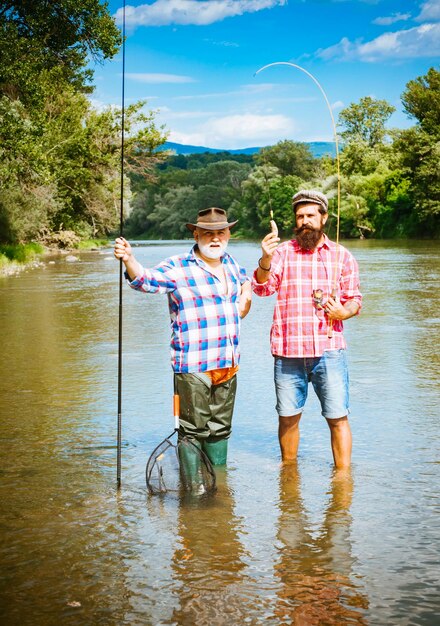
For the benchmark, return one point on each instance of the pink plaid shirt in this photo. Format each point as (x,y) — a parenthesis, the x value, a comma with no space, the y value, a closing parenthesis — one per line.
(299,329)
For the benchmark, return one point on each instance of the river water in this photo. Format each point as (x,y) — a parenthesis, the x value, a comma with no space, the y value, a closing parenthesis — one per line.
(295,545)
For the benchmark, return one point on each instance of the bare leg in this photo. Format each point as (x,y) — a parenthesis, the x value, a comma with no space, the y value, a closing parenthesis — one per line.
(340,435)
(288,435)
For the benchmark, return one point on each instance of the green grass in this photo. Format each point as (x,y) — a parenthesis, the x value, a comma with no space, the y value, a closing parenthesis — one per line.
(4,261)
(88,244)
(20,252)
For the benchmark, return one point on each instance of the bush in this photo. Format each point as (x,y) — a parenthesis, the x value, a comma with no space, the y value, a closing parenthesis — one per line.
(21,253)
(63,239)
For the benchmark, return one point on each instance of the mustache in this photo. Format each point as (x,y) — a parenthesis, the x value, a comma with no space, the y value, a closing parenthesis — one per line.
(303,229)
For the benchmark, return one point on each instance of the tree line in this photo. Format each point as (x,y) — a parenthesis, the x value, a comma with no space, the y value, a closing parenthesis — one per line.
(390,178)
(60,157)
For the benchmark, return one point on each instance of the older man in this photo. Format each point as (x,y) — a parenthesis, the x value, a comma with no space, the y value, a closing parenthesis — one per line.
(317,283)
(208,292)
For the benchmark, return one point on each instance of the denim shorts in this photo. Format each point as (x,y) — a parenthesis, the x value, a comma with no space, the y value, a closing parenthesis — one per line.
(327,373)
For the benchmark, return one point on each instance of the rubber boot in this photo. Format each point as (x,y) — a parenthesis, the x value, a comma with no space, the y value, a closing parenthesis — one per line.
(216,451)
(190,472)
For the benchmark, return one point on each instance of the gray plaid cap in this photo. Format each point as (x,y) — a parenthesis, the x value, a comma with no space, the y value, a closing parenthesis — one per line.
(310,195)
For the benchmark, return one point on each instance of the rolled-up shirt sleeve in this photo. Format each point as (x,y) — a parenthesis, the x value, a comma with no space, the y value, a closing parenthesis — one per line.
(159,279)
(243,277)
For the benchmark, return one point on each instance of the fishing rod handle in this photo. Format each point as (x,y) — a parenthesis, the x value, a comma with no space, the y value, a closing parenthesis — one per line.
(176,410)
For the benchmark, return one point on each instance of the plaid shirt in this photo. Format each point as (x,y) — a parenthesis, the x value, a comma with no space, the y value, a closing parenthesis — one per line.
(299,329)
(205,322)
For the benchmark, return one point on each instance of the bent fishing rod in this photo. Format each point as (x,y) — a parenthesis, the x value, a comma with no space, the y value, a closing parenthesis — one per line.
(338,170)
(121,229)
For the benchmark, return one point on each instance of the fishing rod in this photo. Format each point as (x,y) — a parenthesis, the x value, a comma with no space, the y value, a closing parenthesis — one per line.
(338,171)
(121,228)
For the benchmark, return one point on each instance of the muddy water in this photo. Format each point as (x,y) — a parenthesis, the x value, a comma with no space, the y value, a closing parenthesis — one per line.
(295,545)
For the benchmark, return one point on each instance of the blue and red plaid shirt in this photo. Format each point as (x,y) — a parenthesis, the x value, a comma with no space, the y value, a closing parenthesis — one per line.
(205,321)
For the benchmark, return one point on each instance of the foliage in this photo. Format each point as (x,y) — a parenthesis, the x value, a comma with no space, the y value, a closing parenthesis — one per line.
(91,244)
(54,37)
(25,210)
(365,121)
(265,190)
(393,189)
(63,172)
(389,179)
(60,159)
(161,209)
(200,160)
(419,152)
(291,158)
(419,160)
(421,100)
(22,253)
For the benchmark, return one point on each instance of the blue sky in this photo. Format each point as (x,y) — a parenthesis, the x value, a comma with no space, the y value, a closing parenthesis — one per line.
(194,61)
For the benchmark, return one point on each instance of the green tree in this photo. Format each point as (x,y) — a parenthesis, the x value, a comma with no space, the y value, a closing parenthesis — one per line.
(57,36)
(172,211)
(69,155)
(221,173)
(291,158)
(365,121)
(265,190)
(419,149)
(421,101)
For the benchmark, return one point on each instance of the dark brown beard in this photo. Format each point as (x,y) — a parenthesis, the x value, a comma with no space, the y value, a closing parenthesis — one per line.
(308,237)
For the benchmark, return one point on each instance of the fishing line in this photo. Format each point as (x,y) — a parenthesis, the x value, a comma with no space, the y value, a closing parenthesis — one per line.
(273,225)
(338,171)
(121,227)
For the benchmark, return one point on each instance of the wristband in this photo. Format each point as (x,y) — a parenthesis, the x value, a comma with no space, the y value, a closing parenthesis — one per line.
(265,269)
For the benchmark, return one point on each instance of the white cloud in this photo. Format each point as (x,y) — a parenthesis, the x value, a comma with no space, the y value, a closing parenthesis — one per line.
(421,41)
(237,131)
(160,78)
(392,19)
(184,12)
(430,11)
(99,105)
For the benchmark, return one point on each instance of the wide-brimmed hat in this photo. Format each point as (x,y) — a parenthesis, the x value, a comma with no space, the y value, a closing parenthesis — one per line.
(212,219)
(308,196)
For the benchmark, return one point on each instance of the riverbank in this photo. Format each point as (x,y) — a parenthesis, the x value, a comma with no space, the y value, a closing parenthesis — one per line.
(15,258)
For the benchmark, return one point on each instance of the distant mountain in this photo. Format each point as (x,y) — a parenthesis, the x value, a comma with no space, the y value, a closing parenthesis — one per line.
(318,148)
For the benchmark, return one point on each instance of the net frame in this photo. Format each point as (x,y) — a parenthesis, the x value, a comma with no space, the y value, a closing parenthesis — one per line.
(166,470)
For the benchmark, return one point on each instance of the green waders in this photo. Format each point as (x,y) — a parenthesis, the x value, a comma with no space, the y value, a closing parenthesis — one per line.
(190,469)
(216,450)
(206,412)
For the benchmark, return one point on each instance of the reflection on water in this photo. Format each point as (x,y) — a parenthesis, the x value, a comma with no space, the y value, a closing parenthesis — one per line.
(208,561)
(316,569)
(291,545)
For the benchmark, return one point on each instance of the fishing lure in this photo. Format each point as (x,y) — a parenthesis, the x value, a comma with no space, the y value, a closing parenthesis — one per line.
(273,225)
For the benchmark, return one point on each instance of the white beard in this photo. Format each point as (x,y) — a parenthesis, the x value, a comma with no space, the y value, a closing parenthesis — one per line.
(211,252)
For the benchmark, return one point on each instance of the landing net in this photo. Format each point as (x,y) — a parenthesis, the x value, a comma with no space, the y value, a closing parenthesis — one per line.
(179,465)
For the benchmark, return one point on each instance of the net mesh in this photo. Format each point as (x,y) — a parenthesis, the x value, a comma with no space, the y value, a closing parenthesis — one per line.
(179,465)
